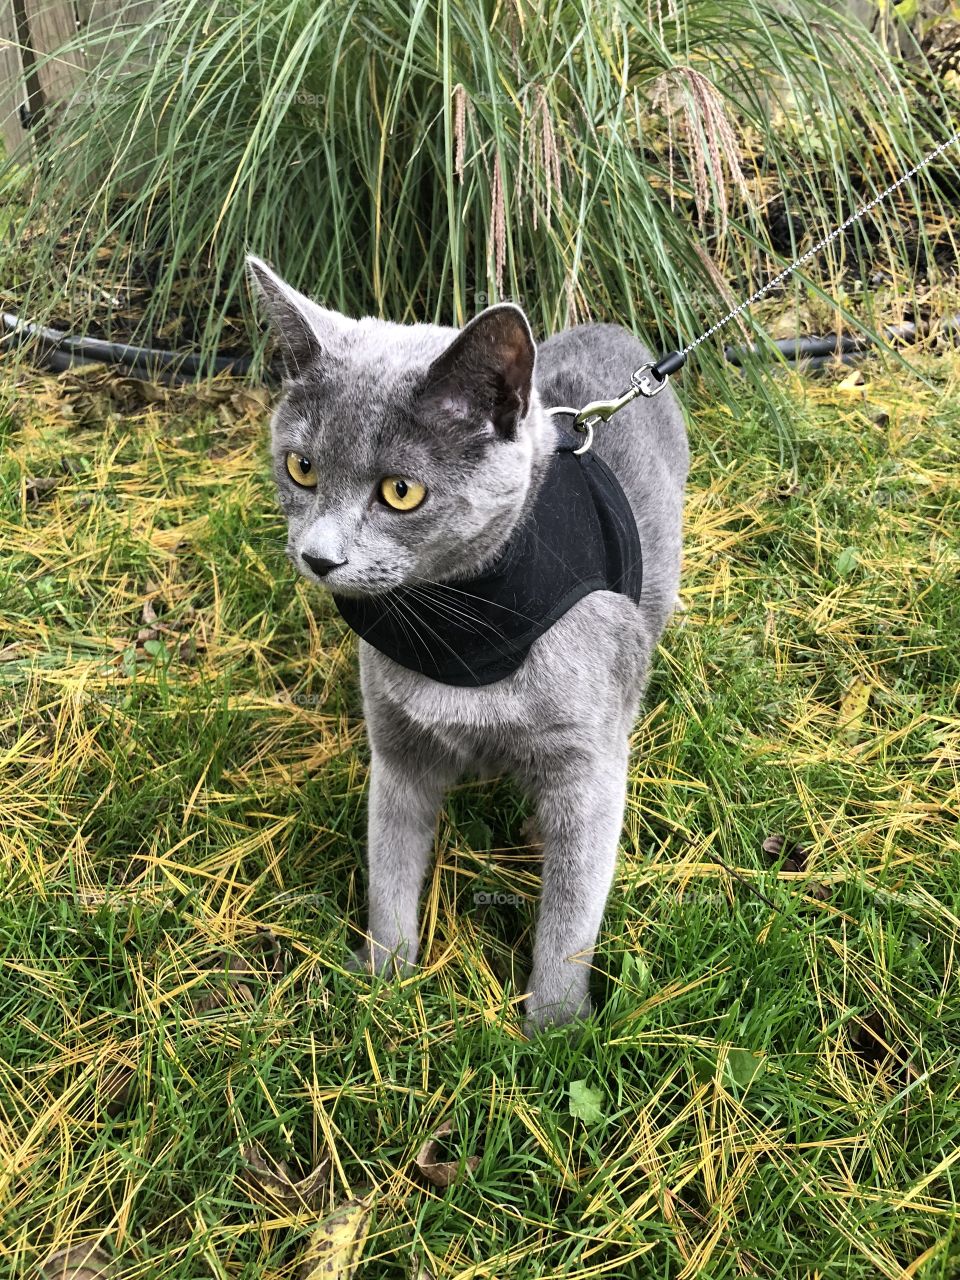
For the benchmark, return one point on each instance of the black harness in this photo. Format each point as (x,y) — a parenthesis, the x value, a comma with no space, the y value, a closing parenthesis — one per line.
(579,536)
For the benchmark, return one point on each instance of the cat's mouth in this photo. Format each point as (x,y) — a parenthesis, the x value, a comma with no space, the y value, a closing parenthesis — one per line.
(339,583)
(351,591)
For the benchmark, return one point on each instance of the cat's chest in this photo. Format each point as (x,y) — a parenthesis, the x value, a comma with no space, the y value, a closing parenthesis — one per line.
(508,706)
(503,722)
(556,703)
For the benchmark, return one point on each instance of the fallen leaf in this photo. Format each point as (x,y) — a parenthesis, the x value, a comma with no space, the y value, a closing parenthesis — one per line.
(584,1102)
(114,1086)
(78,1262)
(796,859)
(743,1066)
(37,486)
(337,1243)
(150,637)
(251,399)
(847,561)
(853,705)
(219,998)
(262,955)
(773,845)
(263,959)
(798,319)
(868,1038)
(442,1172)
(794,855)
(854,381)
(273,1179)
(478,835)
(155,393)
(171,328)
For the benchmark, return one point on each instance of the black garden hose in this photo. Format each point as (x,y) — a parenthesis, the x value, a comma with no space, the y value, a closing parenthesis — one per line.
(57,351)
(823,349)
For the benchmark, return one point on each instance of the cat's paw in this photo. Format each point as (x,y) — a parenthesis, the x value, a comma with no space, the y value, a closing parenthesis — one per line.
(544,1010)
(379,961)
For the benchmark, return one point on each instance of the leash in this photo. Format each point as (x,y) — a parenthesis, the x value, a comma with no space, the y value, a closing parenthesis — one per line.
(651,378)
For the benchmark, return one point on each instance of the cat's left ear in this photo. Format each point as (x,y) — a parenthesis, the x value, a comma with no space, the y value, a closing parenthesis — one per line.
(486,372)
(306,333)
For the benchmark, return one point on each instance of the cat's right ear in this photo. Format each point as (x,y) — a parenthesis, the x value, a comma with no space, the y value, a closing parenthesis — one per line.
(305,331)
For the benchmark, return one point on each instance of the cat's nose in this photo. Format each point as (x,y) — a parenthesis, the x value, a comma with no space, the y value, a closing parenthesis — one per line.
(320,565)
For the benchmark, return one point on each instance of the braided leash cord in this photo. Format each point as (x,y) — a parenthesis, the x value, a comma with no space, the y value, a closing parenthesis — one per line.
(821,244)
(650,379)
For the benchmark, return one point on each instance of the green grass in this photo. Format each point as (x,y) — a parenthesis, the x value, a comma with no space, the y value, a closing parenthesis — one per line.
(652,163)
(774,1059)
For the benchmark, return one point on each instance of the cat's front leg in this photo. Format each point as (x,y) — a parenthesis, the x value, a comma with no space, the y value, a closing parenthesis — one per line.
(580,802)
(404,799)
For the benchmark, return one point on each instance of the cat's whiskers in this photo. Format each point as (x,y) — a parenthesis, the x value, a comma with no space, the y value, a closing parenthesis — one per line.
(449,647)
(450,610)
(470,595)
(393,606)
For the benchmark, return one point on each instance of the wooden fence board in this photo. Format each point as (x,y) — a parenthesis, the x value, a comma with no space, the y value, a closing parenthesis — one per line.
(52,24)
(110,23)
(13,88)
(56,80)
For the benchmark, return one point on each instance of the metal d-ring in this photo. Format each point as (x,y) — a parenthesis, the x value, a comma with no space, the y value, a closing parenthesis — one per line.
(586,427)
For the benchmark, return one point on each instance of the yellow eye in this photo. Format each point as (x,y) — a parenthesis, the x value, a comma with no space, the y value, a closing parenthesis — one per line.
(301,470)
(401,494)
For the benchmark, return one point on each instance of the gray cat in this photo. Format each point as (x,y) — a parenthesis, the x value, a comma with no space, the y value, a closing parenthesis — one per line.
(407,455)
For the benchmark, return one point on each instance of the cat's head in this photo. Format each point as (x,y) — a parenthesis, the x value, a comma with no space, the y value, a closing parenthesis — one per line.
(402,453)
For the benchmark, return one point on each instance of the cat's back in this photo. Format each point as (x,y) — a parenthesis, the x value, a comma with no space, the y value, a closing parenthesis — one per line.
(644,444)
(594,362)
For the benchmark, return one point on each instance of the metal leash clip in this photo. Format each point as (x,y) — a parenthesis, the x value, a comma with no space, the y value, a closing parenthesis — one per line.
(649,380)
(575,414)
